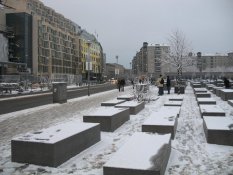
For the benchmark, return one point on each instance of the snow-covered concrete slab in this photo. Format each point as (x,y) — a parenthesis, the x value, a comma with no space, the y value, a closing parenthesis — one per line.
(206,101)
(112,102)
(210,86)
(126,97)
(202,95)
(173,103)
(134,106)
(161,122)
(199,90)
(55,145)
(182,89)
(211,110)
(177,98)
(143,154)
(226,94)
(196,85)
(110,118)
(218,130)
(230,102)
(216,88)
(169,110)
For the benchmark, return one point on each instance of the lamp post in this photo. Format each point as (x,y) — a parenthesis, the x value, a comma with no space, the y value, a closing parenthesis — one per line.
(88,67)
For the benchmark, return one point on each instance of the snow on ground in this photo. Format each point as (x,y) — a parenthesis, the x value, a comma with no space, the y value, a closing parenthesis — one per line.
(191,155)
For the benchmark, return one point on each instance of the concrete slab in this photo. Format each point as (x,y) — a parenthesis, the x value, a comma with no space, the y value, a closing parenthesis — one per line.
(112,102)
(206,101)
(173,103)
(143,154)
(196,85)
(199,90)
(202,95)
(211,110)
(182,89)
(55,145)
(230,102)
(134,106)
(218,130)
(177,98)
(226,94)
(110,118)
(125,97)
(210,86)
(216,88)
(162,123)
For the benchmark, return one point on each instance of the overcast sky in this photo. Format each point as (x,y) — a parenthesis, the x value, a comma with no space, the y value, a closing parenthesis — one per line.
(123,25)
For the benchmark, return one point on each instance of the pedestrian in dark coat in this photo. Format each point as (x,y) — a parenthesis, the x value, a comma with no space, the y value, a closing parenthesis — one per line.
(168,85)
(226,83)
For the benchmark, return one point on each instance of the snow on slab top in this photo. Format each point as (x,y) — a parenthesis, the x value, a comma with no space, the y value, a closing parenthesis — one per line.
(125,96)
(219,123)
(210,108)
(106,111)
(227,90)
(56,133)
(166,119)
(115,101)
(138,153)
(200,89)
(173,103)
(129,104)
(169,109)
(206,99)
(177,98)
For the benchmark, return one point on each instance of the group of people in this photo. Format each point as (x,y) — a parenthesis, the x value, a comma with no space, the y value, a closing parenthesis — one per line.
(121,84)
(160,83)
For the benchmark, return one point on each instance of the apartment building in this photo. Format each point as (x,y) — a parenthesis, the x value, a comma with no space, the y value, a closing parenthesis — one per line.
(214,62)
(58,44)
(148,61)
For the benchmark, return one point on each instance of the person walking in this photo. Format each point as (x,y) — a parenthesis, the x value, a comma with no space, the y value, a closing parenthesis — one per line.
(160,83)
(226,83)
(119,84)
(168,85)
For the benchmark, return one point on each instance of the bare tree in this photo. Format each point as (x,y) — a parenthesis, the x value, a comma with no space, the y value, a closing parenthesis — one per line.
(179,55)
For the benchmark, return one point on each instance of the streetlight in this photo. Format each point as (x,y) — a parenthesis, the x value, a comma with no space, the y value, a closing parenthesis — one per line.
(88,67)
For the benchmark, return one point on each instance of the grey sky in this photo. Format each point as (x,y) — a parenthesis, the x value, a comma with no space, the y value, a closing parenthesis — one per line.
(123,25)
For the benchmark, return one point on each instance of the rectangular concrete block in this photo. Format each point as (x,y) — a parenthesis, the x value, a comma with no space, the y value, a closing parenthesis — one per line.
(226,94)
(162,123)
(211,110)
(202,95)
(112,102)
(182,89)
(218,130)
(110,118)
(134,106)
(59,92)
(173,103)
(200,90)
(230,102)
(210,86)
(177,98)
(206,101)
(196,85)
(216,88)
(149,156)
(125,97)
(55,145)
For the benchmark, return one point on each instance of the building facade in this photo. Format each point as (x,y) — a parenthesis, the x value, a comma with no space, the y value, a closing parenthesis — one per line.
(58,45)
(148,61)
